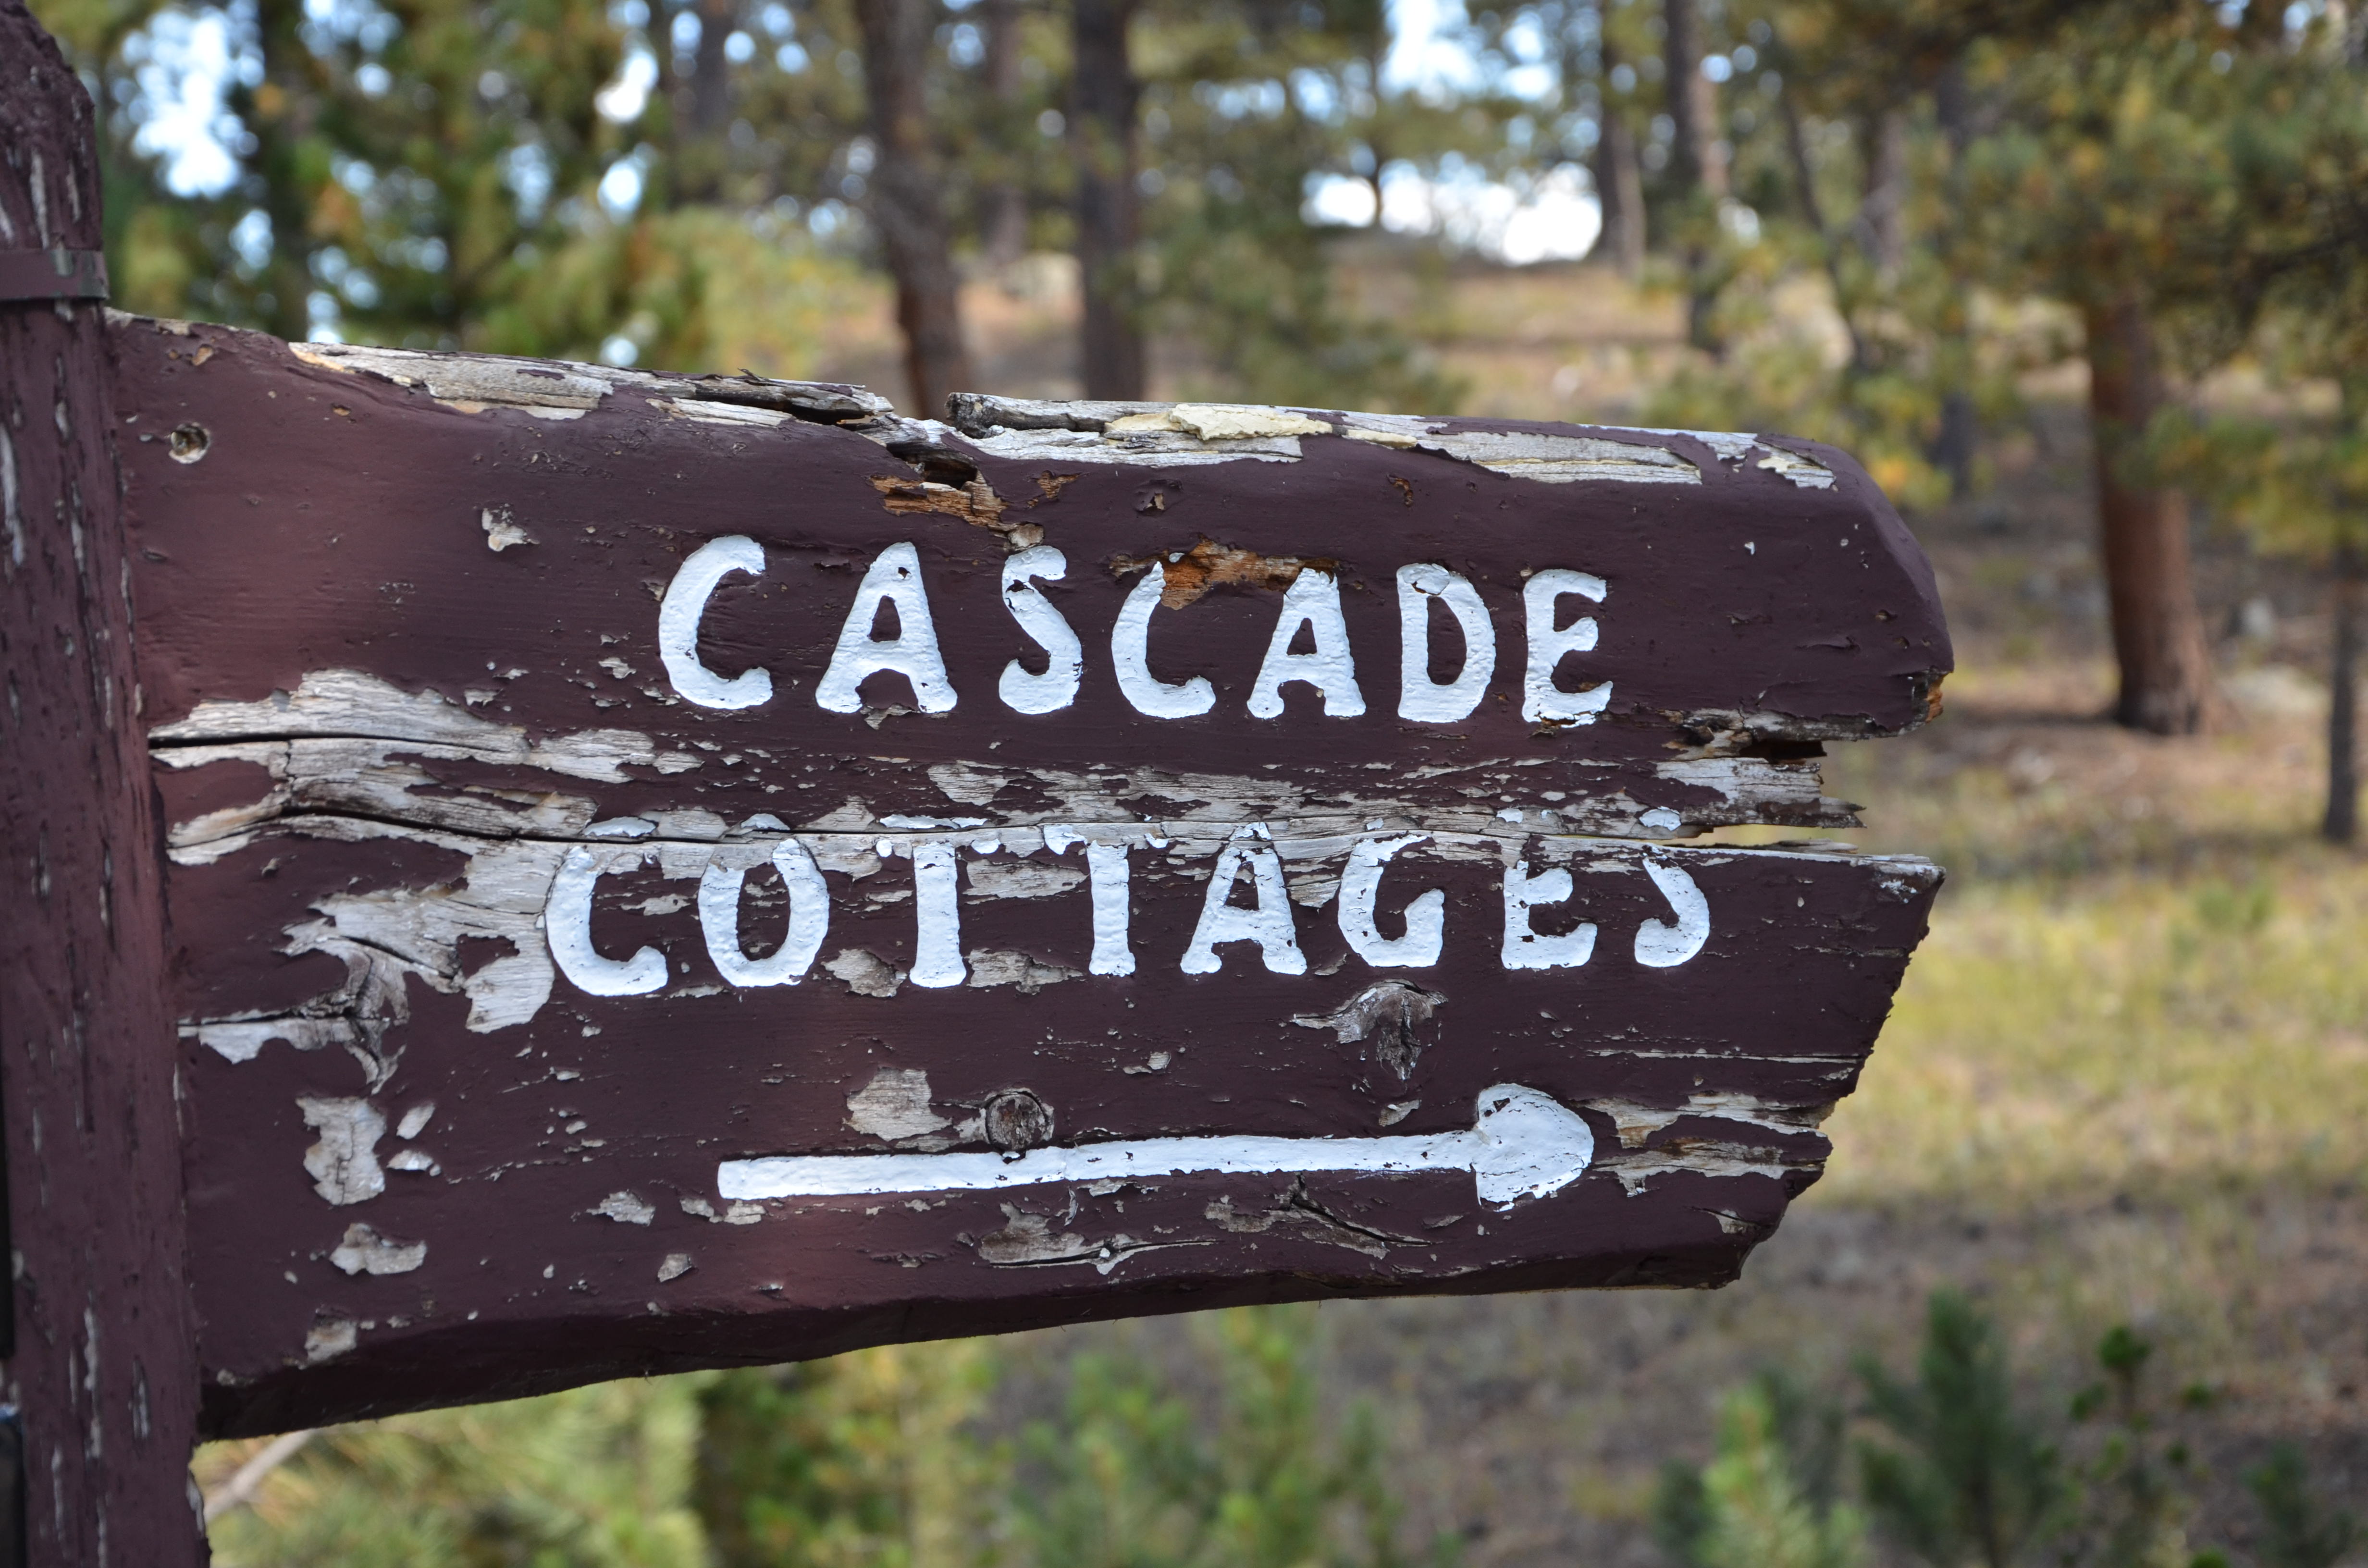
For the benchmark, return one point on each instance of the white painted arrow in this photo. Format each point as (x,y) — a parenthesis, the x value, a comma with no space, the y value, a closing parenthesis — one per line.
(1522,1144)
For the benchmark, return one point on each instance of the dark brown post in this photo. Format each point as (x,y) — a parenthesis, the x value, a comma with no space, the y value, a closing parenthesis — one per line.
(1102,94)
(100,1359)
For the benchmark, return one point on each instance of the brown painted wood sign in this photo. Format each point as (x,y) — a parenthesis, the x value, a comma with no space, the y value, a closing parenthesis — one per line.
(654,871)
(672,871)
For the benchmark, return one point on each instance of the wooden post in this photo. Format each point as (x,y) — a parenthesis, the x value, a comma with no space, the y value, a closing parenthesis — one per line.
(101,1357)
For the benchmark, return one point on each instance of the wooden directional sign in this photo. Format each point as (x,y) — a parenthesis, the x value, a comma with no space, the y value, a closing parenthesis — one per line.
(646,872)
(670,872)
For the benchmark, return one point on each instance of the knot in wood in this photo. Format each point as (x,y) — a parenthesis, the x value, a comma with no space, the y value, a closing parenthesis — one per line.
(1017,1121)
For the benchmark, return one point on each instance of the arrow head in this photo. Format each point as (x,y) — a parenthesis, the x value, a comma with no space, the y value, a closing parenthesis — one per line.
(1530,1145)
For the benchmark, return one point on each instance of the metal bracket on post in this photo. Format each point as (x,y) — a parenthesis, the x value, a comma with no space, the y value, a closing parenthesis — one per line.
(57,273)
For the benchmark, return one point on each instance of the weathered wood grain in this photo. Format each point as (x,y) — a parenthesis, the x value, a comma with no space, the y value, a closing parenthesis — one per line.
(101,1364)
(455,1130)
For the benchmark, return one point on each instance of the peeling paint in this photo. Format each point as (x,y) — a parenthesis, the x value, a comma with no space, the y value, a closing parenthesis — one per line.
(1389,1013)
(1185,575)
(894,1106)
(364,1251)
(1805,472)
(349,704)
(1298,1215)
(329,1338)
(626,1208)
(344,1165)
(1563,459)
(1029,1241)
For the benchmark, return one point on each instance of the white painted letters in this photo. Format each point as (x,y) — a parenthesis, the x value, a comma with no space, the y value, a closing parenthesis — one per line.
(1269,924)
(1528,948)
(1662,944)
(1057,686)
(1542,700)
(1312,600)
(1421,698)
(719,919)
(1425,917)
(1106,864)
(937,917)
(895,579)
(685,606)
(1130,652)
(568,927)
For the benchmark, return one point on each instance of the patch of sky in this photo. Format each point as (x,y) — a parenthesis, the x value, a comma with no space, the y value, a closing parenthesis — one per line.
(321,317)
(250,239)
(620,187)
(181,62)
(1319,94)
(965,45)
(1428,56)
(622,100)
(739,48)
(421,252)
(363,23)
(1551,216)
(526,170)
(1241,100)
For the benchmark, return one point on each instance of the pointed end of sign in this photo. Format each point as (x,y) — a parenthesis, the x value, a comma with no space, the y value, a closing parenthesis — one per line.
(1531,1145)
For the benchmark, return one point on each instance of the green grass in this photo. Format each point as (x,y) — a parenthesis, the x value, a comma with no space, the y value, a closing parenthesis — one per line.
(2055,1039)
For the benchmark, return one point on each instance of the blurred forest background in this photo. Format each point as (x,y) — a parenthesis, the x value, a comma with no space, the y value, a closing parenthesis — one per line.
(2085,285)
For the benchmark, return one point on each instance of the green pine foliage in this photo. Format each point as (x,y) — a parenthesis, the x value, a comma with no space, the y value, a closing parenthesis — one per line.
(1770,1496)
(2299,1529)
(1961,1474)
(1131,1477)
(596,1478)
(889,1457)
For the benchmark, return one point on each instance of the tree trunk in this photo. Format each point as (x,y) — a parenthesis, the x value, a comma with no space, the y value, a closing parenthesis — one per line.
(2166,666)
(1697,157)
(1884,213)
(279,111)
(906,199)
(1956,442)
(1102,94)
(1619,183)
(1005,226)
(711,87)
(2350,606)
